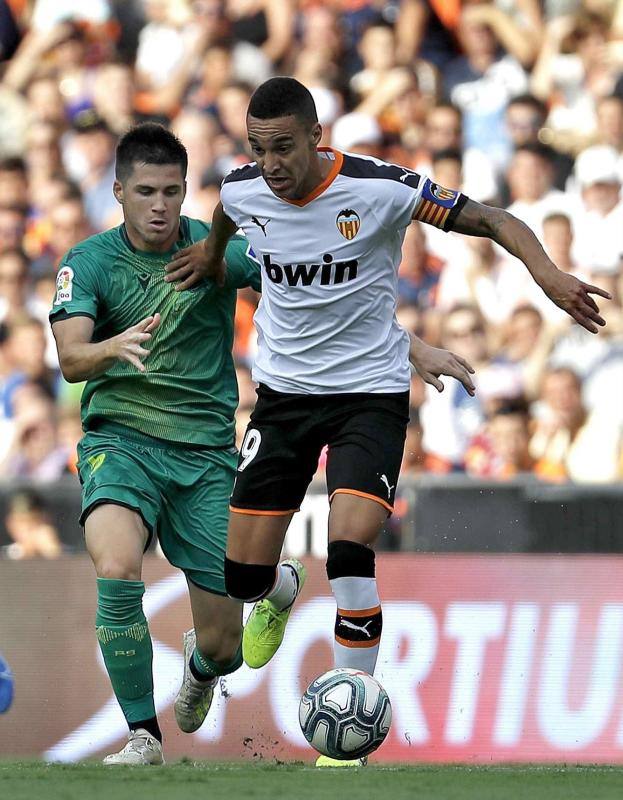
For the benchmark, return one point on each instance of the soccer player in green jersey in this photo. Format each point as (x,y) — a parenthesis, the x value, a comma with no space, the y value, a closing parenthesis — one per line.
(158,407)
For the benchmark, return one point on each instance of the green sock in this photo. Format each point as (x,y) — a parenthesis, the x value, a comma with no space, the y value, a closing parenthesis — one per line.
(207,668)
(124,639)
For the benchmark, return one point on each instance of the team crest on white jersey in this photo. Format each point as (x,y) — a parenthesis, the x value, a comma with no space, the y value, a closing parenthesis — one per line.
(64,285)
(348,223)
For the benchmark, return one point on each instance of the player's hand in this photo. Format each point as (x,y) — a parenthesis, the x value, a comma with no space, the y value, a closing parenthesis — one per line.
(431,362)
(574,297)
(190,266)
(127,346)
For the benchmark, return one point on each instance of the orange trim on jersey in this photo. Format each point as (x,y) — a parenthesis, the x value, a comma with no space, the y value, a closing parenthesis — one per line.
(260,513)
(333,173)
(376,499)
(364,612)
(347,643)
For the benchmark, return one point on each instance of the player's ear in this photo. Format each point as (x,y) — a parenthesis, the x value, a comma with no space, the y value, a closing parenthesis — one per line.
(117,190)
(316,134)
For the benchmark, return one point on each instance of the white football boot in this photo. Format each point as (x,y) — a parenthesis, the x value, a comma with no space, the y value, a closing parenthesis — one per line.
(142,749)
(194,698)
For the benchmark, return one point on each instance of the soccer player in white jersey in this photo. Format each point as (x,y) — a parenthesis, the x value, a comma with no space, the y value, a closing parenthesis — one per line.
(332,362)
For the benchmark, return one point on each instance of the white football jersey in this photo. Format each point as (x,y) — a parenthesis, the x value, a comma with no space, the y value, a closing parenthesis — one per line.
(326,321)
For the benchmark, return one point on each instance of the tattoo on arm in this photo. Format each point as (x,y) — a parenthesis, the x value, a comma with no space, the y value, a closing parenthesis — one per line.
(476,219)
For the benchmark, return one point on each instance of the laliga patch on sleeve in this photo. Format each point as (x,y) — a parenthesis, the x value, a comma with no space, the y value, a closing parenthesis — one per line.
(438,194)
(64,285)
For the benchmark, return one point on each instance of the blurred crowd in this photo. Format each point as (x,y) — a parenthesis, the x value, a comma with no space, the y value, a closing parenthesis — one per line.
(519,103)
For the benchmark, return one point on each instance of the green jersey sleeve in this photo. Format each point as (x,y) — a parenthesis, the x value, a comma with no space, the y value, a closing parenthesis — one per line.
(243,269)
(79,287)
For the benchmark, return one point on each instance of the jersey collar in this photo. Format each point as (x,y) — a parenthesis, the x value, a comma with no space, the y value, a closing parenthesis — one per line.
(183,238)
(338,159)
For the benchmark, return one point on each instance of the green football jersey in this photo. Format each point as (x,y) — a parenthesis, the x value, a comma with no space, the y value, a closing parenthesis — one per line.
(188,393)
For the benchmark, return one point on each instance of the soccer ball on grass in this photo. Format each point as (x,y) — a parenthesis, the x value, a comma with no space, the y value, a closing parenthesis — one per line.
(345,714)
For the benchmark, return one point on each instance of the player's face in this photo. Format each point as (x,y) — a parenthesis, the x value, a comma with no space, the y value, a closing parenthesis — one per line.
(152,198)
(284,149)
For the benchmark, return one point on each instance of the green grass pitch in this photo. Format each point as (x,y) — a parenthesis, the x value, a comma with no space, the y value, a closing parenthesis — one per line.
(21,780)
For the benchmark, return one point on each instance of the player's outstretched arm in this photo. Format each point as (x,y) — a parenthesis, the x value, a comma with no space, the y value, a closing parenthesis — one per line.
(431,362)
(204,259)
(566,291)
(81,359)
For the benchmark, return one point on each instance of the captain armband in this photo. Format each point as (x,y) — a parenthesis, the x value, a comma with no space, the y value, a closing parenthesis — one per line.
(439,206)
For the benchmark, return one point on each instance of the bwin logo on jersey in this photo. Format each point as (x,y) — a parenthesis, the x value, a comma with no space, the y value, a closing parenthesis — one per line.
(348,223)
(330,272)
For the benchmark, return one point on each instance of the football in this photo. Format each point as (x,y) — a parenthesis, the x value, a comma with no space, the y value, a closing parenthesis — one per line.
(345,714)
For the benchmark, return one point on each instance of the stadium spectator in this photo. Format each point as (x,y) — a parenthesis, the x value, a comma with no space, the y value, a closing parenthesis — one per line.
(450,420)
(113,94)
(531,182)
(28,525)
(418,274)
(501,449)
(357,132)
(560,415)
(442,132)
(574,69)
(89,158)
(25,348)
(479,274)
(526,344)
(13,183)
(42,154)
(16,296)
(12,228)
(68,225)
(482,81)
(35,452)
(610,122)
(599,225)
(525,119)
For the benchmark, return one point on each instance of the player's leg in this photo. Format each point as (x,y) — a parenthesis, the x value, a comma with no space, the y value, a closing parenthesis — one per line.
(278,458)
(115,538)
(363,464)
(211,649)
(120,507)
(193,535)
(254,574)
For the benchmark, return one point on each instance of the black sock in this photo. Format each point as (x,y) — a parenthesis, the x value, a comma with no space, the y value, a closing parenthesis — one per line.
(198,676)
(150,725)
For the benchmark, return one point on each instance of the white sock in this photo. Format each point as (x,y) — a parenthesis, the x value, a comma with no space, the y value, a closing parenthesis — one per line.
(285,588)
(358,623)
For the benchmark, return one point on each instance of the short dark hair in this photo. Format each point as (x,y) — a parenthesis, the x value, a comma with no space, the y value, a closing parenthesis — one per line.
(13,164)
(538,149)
(531,101)
(16,252)
(447,154)
(282,97)
(509,406)
(148,143)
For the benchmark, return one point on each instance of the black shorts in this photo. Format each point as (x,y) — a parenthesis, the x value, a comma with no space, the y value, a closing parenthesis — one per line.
(365,434)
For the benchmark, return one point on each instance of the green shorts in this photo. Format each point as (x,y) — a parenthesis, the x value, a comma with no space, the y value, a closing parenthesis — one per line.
(182,494)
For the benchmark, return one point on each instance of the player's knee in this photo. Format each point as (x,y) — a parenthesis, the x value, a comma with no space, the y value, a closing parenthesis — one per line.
(248,582)
(117,569)
(348,559)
